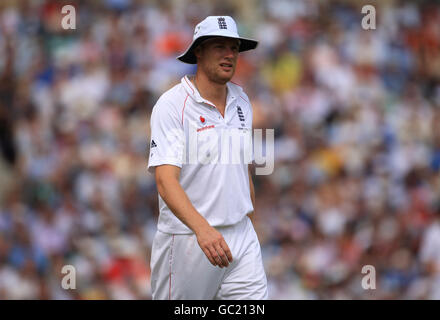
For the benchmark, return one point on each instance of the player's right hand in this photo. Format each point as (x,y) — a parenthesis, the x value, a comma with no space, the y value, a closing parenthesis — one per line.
(214,246)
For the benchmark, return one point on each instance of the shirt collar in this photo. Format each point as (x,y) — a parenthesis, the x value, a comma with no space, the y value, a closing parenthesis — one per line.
(191,89)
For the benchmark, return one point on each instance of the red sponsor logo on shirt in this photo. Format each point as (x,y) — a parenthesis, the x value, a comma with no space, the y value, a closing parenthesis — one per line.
(206,128)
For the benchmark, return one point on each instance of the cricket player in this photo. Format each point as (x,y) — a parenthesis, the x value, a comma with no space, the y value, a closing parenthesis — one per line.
(205,246)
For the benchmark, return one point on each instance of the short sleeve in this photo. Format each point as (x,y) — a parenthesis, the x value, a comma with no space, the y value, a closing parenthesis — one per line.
(167,136)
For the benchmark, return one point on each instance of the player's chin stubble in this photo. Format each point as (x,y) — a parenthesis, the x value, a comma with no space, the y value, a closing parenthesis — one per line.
(217,76)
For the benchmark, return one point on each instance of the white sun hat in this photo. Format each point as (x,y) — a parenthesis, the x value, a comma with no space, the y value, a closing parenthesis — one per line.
(215,26)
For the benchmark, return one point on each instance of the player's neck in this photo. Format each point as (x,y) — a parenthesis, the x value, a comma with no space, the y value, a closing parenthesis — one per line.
(209,90)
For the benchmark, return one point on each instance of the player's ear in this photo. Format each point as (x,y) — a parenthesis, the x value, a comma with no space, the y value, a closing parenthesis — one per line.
(198,51)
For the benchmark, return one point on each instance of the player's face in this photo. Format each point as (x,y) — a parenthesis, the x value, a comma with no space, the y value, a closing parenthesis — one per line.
(217,58)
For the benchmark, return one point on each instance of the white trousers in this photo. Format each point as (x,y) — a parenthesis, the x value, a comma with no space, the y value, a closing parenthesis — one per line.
(181,271)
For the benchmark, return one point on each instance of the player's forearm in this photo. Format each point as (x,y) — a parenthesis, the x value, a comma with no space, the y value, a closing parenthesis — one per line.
(176,199)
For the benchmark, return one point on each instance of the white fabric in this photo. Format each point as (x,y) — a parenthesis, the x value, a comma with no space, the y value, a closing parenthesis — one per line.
(181,271)
(219,191)
(210,27)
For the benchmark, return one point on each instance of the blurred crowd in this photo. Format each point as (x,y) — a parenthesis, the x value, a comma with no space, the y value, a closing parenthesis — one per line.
(356,115)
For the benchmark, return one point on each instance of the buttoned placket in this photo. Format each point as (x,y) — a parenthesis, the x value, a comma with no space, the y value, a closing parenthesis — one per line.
(229,100)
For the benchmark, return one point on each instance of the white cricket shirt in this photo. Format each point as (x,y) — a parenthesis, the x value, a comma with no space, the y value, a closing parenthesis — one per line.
(212,151)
